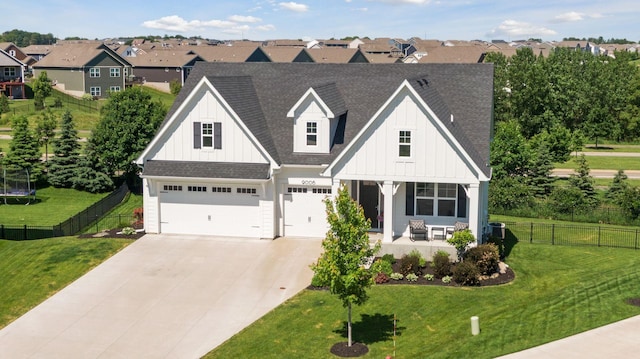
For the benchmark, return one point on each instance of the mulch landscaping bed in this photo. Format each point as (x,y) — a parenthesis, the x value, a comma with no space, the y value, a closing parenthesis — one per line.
(114,233)
(343,349)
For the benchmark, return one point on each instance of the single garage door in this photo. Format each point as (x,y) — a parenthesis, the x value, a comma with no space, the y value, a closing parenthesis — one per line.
(305,212)
(219,211)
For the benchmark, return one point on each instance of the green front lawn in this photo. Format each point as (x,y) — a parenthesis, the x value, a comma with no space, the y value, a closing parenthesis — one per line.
(604,163)
(53,205)
(32,271)
(558,292)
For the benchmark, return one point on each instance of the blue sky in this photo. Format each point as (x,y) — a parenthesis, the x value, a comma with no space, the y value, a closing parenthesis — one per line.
(318,19)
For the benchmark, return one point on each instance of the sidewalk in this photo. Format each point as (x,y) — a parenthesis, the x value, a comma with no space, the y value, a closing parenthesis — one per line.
(617,340)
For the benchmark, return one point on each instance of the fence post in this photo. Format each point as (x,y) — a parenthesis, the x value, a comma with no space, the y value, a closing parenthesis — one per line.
(2,231)
(599,230)
(636,244)
(531,233)
(553,233)
(24,233)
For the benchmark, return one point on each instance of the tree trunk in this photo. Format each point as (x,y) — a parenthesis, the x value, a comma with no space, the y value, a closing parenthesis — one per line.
(349,325)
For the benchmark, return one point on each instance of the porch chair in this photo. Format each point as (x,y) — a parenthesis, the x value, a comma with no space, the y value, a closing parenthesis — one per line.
(458,226)
(417,227)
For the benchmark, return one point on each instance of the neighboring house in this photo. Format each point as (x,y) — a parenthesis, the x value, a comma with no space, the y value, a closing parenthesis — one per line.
(253,149)
(79,68)
(11,76)
(158,68)
(37,52)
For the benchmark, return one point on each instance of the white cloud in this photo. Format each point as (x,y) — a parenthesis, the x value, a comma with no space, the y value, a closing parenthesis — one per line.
(293,6)
(569,17)
(268,27)
(178,24)
(514,29)
(240,18)
(363,9)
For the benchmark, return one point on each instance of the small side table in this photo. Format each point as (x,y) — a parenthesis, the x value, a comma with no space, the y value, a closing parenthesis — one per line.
(438,233)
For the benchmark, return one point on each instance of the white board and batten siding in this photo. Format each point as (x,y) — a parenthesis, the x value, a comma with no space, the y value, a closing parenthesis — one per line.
(178,141)
(434,158)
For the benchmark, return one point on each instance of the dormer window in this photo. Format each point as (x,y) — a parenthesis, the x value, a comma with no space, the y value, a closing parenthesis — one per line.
(404,144)
(312,133)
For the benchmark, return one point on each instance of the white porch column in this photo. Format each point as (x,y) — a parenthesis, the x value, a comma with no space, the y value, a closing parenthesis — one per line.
(475,211)
(387,191)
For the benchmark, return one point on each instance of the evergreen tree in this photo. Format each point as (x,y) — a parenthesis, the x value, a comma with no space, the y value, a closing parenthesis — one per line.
(583,181)
(24,151)
(618,186)
(539,178)
(66,149)
(90,179)
(346,248)
(4,104)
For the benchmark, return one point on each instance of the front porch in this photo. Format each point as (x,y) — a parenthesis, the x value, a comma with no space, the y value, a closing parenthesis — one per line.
(402,245)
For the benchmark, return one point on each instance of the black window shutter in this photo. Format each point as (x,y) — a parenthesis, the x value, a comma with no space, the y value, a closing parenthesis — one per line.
(409,208)
(462,202)
(217,135)
(197,133)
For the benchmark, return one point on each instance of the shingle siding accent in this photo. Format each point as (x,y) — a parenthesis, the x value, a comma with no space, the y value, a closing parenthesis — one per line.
(213,170)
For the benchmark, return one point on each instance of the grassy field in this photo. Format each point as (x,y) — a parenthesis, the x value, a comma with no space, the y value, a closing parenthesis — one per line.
(31,271)
(558,291)
(53,205)
(612,149)
(604,163)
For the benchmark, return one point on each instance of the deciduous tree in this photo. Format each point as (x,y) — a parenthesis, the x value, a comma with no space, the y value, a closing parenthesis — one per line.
(346,249)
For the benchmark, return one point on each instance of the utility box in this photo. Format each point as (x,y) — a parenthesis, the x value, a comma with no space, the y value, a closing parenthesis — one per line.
(497,230)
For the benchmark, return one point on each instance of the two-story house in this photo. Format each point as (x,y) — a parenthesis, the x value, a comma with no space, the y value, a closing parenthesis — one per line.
(253,149)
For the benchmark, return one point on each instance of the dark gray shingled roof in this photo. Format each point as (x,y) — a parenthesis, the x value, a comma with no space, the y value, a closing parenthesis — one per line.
(262,94)
(194,169)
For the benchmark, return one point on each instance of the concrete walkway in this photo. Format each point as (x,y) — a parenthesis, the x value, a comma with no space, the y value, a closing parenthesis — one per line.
(617,340)
(164,297)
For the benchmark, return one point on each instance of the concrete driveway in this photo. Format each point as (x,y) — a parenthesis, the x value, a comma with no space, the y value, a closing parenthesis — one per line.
(164,296)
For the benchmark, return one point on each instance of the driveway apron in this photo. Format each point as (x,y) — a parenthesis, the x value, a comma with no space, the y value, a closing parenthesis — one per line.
(164,296)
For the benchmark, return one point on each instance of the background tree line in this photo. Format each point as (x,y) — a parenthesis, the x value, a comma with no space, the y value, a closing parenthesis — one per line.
(24,38)
(545,108)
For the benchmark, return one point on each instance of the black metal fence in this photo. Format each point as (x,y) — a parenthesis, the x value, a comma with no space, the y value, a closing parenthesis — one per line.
(574,235)
(602,214)
(71,226)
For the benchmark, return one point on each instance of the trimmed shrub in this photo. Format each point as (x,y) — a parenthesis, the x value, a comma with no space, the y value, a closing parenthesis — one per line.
(446,279)
(421,261)
(466,273)
(411,277)
(410,264)
(317,282)
(485,257)
(381,278)
(429,277)
(441,264)
(396,276)
(389,258)
(381,266)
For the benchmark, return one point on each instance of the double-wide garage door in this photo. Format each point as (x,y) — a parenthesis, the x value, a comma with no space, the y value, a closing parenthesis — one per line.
(219,211)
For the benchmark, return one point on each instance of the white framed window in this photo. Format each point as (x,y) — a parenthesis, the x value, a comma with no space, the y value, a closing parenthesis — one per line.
(9,71)
(12,53)
(297,190)
(172,187)
(221,189)
(438,199)
(207,135)
(404,143)
(114,88)
(114,72)
(126,71)
(312,133)
(95,91)
(321,190)
(94,72)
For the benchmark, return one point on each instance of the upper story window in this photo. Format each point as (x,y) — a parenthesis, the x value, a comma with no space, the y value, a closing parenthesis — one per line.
(12,53)
(404,144)
(9,71)
(312,133)
(94,72)
(114,72)
(207,135)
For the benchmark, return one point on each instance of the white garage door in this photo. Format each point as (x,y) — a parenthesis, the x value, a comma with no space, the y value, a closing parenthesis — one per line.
(305,212)
(219,211)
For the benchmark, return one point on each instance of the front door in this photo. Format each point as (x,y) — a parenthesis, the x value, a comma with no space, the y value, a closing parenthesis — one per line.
(369,196)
